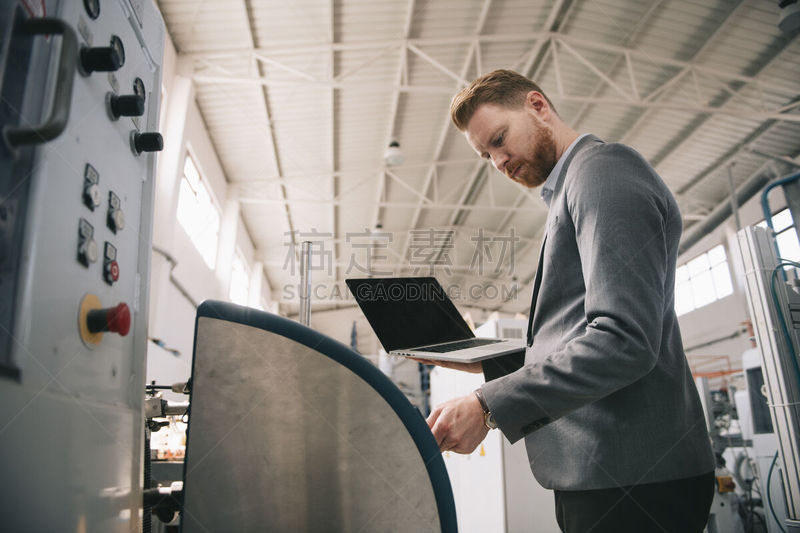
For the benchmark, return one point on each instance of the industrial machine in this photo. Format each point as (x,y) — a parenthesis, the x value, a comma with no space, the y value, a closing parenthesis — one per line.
(289,430)
(775,310)
(757,428)
(80,83)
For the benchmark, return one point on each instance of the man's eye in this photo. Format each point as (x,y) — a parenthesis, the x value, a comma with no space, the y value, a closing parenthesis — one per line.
(498,142)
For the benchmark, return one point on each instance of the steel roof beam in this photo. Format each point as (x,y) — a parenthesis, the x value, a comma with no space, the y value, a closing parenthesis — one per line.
(557,15)
(758,110)
(686,68)
(468,40)
(264,103)
(402,66)
(686,134)
(630,39)
(334,179)
(249,199)
(446,127)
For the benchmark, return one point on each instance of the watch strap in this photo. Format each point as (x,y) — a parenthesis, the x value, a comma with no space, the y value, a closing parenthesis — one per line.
(482,400)
(488,419)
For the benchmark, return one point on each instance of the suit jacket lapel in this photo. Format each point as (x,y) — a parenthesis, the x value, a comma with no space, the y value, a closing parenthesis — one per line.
(536,284)
(586,141)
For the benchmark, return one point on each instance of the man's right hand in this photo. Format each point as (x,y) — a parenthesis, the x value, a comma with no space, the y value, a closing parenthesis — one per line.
(473,368)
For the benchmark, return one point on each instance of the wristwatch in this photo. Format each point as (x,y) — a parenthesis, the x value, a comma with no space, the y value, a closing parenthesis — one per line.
(488,419)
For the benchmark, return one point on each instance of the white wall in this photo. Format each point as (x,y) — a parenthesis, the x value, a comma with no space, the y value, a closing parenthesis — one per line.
(723,317)
(171,313)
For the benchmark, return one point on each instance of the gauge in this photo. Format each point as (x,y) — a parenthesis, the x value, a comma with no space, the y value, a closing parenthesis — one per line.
(118,50)
(138,88)
(92,8)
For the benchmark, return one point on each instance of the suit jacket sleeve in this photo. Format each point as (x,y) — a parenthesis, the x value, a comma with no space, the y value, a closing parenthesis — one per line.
(503,365)
(619,211)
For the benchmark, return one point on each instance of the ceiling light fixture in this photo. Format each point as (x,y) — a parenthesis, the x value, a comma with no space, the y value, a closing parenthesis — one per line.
(393,156)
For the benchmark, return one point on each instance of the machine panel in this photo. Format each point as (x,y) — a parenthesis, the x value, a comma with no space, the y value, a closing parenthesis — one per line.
(74,258)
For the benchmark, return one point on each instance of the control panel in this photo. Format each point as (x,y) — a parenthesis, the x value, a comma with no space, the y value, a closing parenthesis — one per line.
(80,84)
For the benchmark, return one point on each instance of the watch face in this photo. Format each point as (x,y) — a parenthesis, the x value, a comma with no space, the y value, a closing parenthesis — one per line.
(488,419)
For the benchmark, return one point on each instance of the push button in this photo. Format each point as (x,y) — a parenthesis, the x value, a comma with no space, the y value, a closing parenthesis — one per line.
(115,220)
(91,189)
(110,265)
(87,252)
(114,319)
(87,247)
(94,320)
(91,195)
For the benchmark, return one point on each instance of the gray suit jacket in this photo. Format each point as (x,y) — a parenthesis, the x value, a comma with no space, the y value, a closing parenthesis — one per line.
(605,397)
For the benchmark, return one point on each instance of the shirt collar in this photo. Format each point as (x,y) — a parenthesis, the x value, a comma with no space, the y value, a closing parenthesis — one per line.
(550,183)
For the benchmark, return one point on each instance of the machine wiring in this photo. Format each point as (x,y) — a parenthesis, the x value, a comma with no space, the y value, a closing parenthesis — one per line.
(769,500)
(784,328)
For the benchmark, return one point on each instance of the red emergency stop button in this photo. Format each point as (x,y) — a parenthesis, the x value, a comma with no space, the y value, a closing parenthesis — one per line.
(114,319)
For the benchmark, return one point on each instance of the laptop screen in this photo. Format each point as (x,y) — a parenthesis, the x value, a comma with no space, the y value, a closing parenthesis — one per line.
(409,312)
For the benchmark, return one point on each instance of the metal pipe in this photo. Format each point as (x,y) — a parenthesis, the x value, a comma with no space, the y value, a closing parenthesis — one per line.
(734,204)
(737,333)
(784,181)
(764,195)
(176,408)
(172,264)
(305,283)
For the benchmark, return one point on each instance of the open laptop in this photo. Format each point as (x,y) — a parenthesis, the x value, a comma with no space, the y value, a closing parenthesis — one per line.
(414,317)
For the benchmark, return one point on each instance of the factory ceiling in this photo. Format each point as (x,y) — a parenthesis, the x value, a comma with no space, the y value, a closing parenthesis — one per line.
(302,98)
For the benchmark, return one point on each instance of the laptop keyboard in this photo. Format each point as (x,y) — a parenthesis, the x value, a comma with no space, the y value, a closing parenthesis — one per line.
(459,345)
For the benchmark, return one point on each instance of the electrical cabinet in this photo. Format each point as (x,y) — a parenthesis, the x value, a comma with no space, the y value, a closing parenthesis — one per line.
(80,84)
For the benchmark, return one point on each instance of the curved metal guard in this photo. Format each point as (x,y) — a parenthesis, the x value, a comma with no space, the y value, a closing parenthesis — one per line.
(290,430)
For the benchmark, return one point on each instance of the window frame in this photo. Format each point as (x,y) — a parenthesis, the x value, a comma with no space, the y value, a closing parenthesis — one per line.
(211,259)
(238,256)
(687,273)
(791,227)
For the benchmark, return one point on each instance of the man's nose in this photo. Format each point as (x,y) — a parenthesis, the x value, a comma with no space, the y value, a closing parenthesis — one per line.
(499,161)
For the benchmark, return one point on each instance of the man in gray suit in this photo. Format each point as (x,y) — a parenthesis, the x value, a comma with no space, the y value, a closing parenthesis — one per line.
(603,394)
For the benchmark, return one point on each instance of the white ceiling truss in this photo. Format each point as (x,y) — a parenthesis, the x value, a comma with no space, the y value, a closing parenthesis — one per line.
(704,82)
(707,91)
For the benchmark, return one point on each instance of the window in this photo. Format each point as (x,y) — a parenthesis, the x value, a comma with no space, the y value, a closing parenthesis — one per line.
(240,280)
(703,280)
(198,213)
(785,235)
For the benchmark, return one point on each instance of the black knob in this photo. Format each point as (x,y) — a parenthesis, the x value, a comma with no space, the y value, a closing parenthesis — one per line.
(148,142)
(103,59)
(129,105)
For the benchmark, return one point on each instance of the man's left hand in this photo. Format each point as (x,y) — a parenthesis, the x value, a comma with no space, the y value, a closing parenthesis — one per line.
(458,424)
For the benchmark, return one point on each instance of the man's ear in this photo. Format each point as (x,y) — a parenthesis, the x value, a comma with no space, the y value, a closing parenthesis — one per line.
(537,104)
(535,100)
